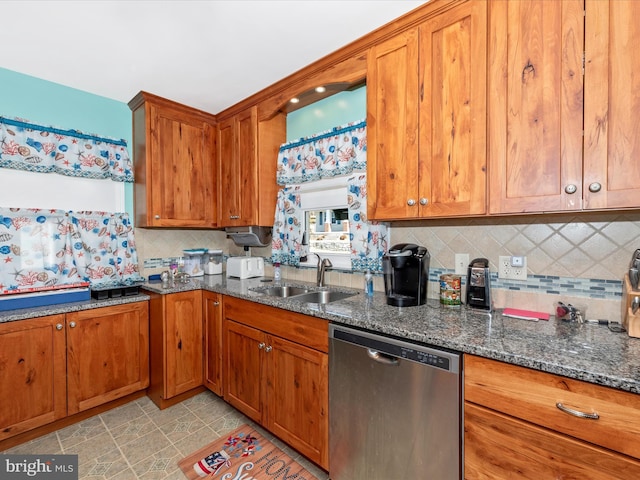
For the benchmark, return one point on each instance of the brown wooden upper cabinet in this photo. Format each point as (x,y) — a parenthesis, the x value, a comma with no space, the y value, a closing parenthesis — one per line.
(175,164)
(426,118)
(248,153)
(539,100)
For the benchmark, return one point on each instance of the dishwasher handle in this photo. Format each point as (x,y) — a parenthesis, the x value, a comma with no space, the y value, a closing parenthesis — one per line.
(382,357)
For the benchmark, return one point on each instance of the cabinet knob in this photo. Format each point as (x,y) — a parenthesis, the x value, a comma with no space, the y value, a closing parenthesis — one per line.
(570,189)
(268,349)
(234,217)
(423,201)
(59,326)
(215,304)
(411,202)
(157,217)
(261,345)
(595,187)
(72,324)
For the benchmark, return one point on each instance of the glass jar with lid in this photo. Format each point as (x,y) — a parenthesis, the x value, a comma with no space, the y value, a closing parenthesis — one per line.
(213,262)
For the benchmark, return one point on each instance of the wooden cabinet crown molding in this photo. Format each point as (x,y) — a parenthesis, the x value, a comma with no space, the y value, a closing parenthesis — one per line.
(310,75)
(146,97)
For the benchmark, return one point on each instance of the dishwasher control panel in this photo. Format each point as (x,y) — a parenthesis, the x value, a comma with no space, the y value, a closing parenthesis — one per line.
(392,347)
(424,357)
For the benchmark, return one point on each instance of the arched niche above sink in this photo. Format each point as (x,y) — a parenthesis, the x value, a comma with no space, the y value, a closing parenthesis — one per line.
(344,75)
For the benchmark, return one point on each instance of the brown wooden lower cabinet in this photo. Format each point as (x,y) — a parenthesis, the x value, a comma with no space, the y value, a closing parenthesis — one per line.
(276,372)
(513,428)
(107,354)
(212,313)
(56,366)
(176,346)
(498,446)
(33,368)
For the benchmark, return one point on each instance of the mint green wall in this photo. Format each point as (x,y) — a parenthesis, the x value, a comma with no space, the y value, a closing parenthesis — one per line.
(341,108)
(53,104)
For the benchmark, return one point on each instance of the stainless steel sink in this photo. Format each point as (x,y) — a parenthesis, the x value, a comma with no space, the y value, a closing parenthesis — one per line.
(322,296)
(283,291)
(303,294)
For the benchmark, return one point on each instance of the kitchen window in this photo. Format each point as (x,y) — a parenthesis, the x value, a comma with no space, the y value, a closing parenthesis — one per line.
(326,219)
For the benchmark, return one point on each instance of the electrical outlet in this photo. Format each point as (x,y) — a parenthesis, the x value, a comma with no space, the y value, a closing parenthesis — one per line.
(512,268)
(461,263)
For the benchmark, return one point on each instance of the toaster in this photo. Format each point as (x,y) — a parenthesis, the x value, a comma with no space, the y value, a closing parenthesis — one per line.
(245,267)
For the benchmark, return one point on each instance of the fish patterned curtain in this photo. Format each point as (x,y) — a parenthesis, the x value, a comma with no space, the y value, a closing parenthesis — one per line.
(36,148)
(338,151)
(46,249)
(288,228)
(369,240)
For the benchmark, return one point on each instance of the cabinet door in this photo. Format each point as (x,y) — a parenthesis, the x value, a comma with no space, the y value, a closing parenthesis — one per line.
(183,342)
(212,306)
(297,392)
(33,383)
(499,447)
(237,143)
(452,165)
(229,195)
(107,354)
(181,175)
(247,159)
(392,128)
(612,105)
(243,373)
(535,105)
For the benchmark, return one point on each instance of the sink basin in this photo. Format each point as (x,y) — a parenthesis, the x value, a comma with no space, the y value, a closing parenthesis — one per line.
(322,296)
(283,291)
(303,294)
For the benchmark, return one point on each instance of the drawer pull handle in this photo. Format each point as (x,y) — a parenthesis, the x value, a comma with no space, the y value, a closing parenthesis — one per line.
(577,413)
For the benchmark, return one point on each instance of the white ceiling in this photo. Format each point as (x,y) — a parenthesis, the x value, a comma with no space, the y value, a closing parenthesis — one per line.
(208,54)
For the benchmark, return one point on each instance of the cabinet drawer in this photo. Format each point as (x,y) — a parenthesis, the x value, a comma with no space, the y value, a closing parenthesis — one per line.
(303,329)
(533,395)
(501,447)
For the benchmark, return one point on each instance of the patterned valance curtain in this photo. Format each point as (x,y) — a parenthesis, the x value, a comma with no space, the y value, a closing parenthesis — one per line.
(36,148)
(288,228)
(338,151)
(369,240)
(44,249)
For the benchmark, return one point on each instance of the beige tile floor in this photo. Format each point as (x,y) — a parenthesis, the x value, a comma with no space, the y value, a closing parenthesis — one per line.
(140,441)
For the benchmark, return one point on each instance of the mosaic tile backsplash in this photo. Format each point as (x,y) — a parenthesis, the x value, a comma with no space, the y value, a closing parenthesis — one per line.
(581,256)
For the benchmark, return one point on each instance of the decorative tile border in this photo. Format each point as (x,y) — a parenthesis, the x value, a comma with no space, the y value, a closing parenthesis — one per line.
(549,284)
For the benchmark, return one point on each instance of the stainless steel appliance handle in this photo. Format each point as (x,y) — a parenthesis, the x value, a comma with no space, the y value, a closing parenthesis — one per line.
(382,358)
(577,413)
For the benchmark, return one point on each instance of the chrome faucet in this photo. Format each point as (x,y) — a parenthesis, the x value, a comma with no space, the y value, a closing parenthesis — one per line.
(323,264)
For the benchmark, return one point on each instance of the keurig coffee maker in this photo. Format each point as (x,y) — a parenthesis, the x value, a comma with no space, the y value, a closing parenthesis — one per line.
(406,275)
(478,287)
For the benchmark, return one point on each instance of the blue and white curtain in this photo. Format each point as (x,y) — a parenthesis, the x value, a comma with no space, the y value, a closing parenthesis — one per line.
(338,151)
(288,228)
(37,148)
(369,240)
(47,249)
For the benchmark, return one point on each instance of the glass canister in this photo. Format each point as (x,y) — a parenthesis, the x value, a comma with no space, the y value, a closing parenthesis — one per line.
(194,261)
(213,263)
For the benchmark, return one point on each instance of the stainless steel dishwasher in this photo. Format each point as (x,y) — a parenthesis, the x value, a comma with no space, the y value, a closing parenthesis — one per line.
(394,409)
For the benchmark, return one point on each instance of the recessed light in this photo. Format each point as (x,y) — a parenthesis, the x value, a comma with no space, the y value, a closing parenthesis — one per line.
(321,89)
(294,100)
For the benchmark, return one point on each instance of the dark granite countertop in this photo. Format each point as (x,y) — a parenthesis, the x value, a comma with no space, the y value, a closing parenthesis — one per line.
(588,352)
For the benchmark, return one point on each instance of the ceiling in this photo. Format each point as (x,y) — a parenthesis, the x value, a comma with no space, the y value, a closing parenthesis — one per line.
(208,54)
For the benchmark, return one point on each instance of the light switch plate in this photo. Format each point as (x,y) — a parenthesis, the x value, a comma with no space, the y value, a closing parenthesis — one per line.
(461,263)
